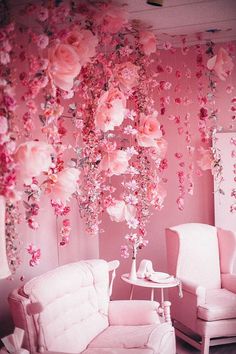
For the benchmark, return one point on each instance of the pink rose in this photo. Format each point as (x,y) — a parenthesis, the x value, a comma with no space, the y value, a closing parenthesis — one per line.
(115,162)
(66,184)
(111,110)
(113,19)
(148,41)
(159,151)
(120,211)
(148,131)
(3,125)
(206,160)
(85,43)
(64,65)
(33,158)
(221,63)
(127,75)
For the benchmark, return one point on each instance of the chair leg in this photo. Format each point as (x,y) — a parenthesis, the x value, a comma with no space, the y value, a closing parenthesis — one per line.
(205,345)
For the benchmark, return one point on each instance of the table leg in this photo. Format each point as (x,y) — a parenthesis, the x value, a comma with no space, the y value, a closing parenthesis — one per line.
(152,294)
(131,292)
(162,298)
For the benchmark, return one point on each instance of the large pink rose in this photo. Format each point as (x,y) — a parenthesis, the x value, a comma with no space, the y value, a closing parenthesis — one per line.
(33,158)
(115,162)
(148,41)
(221,63)
(120,211)
(148,131)
(66,184)
(85,43)
(64,65)
(111,110)
(206,160)
(127,75)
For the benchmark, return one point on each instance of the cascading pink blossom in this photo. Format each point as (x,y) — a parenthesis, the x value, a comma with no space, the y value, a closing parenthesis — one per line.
(148,41)
(65,185)
(115,162)
(32,158)
(148,131)
(111,110)
(64,65)
(120,211)
(221,63)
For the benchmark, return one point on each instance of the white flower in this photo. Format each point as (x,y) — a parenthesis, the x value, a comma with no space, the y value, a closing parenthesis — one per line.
(132,185)
(132,170)
(131,199)
(131,114)
(132,223)
(130,130)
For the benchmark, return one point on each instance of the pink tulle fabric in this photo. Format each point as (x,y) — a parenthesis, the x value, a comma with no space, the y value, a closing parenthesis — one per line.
(115,162)
(148,131)
(221,63)
(120,211)
(127,75)
(65,185)
(148,41)
(85,43)
(111,110)
(206,160)
(64,65)
(33,158)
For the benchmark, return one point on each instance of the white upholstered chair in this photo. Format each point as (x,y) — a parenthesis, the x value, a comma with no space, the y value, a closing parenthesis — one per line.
(202,257)
(69,310)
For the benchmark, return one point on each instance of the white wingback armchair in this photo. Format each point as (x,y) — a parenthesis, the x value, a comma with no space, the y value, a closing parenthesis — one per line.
(69,310)
(202,257)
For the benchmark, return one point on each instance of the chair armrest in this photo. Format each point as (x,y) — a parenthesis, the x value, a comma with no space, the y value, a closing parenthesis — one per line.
(228,281)
(194,289)
(133,312)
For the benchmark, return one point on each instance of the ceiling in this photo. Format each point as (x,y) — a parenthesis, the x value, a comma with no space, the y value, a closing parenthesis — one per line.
(190,18)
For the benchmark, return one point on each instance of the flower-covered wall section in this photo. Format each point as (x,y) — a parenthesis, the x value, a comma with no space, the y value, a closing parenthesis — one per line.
(104,131)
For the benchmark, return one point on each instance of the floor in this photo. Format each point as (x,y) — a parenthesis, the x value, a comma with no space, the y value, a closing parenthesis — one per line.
(184,348)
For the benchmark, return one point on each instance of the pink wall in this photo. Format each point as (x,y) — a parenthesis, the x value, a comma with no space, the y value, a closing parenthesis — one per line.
(198,207)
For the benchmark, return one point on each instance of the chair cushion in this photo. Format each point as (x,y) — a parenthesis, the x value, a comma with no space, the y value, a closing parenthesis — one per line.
(152,337)
(220,304)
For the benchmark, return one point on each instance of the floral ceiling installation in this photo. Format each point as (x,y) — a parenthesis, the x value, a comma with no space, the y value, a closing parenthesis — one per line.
(77,110)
